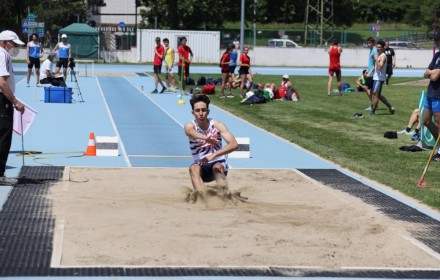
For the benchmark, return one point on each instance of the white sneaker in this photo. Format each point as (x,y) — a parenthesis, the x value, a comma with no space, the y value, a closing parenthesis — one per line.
(406,132)
(6,181)
(367,109)
(28,85)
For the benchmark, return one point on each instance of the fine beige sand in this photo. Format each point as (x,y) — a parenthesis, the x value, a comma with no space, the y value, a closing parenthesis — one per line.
(139,217)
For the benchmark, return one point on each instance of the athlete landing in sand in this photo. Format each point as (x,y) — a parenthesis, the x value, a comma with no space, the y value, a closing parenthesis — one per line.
(205,140)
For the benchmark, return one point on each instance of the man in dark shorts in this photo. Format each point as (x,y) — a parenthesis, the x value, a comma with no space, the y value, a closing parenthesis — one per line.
(34,53)
(159,53)
(431,107)
(391,61)
(205,140)
(185,57)
(64,54)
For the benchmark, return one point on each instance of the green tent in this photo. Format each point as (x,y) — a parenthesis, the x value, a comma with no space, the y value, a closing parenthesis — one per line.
(84,40)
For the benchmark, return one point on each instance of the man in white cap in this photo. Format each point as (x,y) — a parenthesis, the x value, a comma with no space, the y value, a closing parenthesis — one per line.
(286,91)
(64,54)
(9,47)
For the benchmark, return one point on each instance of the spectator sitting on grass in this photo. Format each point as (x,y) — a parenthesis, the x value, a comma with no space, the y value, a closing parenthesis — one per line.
(363,83)
(286,90)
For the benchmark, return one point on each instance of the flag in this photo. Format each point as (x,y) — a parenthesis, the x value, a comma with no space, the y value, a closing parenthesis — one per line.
(24,119)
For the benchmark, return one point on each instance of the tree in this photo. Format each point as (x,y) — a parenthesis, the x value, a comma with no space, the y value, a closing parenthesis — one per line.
(187,14)
(429,9)
(54,13)
(12,13)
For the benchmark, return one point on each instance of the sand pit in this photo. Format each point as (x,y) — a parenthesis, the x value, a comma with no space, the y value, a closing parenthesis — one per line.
(139,217)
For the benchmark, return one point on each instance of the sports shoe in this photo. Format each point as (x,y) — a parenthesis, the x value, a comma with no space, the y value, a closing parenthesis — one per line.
(222,96)
(340,93)
(154,91)
(367,109)
(357,116)
(28,85)
(174,89)
(392,110)
(163,90)
(372,113)
(415,137)
(230,96)
(436,157)
(406,132)
(6,181)
(329,93)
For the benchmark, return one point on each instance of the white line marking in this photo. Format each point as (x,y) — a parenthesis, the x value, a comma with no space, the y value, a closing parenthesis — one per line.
(159,156)
(124,152)
(57,253)
(422,246)
(154,102)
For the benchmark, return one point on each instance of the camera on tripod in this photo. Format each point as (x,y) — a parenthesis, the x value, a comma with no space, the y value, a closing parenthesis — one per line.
(72,63)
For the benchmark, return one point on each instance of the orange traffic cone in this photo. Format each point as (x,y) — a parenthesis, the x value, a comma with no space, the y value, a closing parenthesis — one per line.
(91,147)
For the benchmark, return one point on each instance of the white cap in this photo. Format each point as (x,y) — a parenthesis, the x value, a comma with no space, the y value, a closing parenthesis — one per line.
(64,36)
(8,35)
(285,76)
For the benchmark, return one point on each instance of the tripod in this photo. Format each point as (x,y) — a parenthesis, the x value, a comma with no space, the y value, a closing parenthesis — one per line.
(73,75)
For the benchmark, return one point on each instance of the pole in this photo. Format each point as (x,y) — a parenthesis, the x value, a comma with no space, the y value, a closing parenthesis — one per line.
(255,20)
(322,22)
(242,27)
(435,29)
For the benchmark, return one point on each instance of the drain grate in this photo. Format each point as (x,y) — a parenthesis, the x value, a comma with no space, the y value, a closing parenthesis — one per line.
(27,226)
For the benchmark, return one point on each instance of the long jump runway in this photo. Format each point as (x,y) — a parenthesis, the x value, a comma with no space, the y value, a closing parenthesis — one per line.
(127,216)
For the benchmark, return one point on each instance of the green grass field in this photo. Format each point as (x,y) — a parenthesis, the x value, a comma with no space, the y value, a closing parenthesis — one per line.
(324,125)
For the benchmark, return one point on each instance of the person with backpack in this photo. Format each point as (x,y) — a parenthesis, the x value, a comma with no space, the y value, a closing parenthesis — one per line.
(372,60)
(224,66)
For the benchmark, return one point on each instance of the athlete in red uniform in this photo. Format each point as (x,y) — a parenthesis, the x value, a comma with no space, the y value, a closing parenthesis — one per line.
(335,66)
(159,52)
(244,71)
(185,57)
(224,66)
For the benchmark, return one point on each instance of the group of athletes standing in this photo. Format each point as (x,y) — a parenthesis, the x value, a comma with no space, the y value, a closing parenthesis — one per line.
(381,61)
(164,57)
(35,52)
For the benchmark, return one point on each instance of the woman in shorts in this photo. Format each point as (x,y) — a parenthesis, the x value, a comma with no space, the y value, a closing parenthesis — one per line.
(244,71)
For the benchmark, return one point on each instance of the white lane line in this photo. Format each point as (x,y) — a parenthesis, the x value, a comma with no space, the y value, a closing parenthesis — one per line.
(422,246)
(124,152)
(57,253)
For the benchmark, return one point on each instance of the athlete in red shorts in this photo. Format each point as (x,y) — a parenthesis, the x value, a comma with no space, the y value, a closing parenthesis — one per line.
(335,66)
